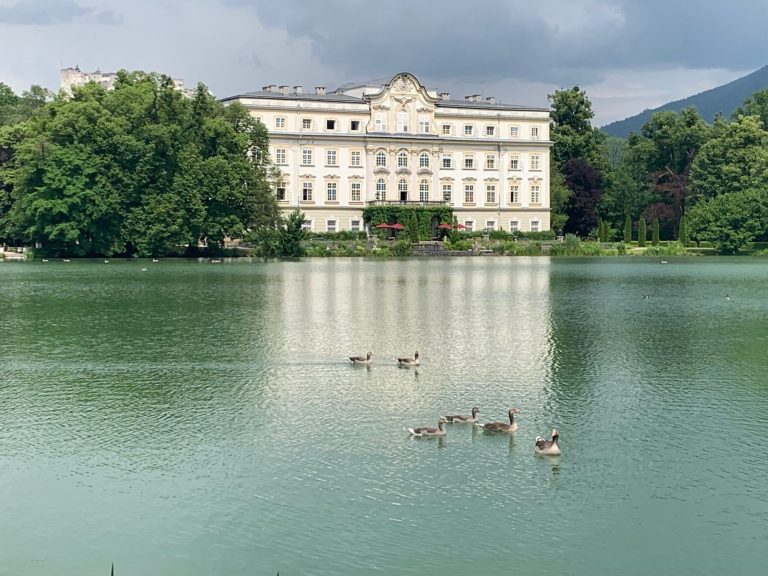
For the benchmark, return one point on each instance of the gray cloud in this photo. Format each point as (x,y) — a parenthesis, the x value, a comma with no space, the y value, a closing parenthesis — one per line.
(42,12)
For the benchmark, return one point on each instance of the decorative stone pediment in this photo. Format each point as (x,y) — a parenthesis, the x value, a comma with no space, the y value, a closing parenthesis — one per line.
(424,172)
(403,171)
(381,170)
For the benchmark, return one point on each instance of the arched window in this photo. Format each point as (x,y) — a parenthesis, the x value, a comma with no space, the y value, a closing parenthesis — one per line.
(402,159)
(381,189)
(402,189)
(424,191)
(424,160)
(381,158)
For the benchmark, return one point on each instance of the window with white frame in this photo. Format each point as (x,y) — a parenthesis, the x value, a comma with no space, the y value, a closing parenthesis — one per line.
(534,225)
(469,225)
(381,158)
(307,226)
(279,155)
(279,121)
(535,193)
(447,160)
(355,158)
(381,189)
(490,225)
(330,125)
(402,121)
(490,161)
(306,123)
(354,225)
(514,131)
(330,158)
(469,129)
(306,191)
(424,191)
(402,159)
(280,192)
(354,126)
(514,226)
(424,160)
(330,225)
(534,132)
(514,162)
(490,193)
(381,121)
(469,161)
(535,162)
(447,192)
(306,157)
(354,192)
(469,193)
(330,189)
(402,189)
(490,130)
(447,129)
(514,193)
(423,124)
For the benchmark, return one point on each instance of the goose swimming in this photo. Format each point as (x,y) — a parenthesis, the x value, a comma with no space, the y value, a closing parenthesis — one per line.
(361,359)
(463,418)
(548,447)
(428,431)
(408,361)
(502,426)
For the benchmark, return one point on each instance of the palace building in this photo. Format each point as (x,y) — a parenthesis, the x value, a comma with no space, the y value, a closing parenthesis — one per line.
(395,142)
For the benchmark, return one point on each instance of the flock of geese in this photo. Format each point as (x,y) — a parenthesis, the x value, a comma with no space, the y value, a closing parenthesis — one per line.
(541,445)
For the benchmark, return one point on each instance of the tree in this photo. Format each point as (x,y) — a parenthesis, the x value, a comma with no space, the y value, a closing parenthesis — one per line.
(572,131)
(642,235)
(585,183)
(628,229)
(655,232)
(291,236)
(682,235)
(729,221)
(413,227)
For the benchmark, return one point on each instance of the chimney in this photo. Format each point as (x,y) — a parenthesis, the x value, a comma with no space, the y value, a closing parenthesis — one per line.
(468,98)
(491,100)
(265,88)
(445,95)
(320,90)
(297,90)
(285,90)
(270,88)
(477,98)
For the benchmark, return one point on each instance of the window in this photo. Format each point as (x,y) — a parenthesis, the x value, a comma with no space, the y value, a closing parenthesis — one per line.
(381,189)
(354,192)
(448,160)
(447,192)
(424,191)
(280,122)
(354,126)
(514,226)
(447,129)
(402,189)
(306,191)
(330,188)
(490,130)
(307,226)
(306,123)
(424,160)
(423,124)
(354,225)
(469,130)
(355,158)
(490,193)
(469,226)
(535,193)
(490,161)
(514,162)
(330,158)
(534,132)
(469,161)
(514,131)
(330,124)
(330,225)
(402,159)
(535,162)
(490,225)
(534,225)
(381,158)
(381,121)
(279,155)
(402,121)
(469,193)
(280,192)
(306,157)
(514,193)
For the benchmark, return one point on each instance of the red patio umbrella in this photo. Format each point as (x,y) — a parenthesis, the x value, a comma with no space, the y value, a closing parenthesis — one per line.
(445,226)
(383,225)
(459,226)
(397,226)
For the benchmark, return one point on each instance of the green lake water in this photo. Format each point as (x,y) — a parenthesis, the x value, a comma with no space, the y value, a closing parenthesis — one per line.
(202,419)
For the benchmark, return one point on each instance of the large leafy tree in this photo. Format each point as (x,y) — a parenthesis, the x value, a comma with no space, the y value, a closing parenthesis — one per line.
(731,220)
(585,183)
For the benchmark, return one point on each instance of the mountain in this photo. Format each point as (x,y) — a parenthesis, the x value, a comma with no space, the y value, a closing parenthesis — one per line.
(723,100)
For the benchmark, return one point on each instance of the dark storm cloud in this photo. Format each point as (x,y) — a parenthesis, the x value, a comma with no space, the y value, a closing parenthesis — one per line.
(42,12)
(558,41)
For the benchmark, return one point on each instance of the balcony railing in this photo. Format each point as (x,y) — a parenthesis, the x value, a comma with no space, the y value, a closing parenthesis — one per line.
(408,203)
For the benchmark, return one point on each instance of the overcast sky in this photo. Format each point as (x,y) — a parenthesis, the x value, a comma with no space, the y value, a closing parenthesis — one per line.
(627,54)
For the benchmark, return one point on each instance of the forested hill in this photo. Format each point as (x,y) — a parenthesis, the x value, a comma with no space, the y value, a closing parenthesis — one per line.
(723,99)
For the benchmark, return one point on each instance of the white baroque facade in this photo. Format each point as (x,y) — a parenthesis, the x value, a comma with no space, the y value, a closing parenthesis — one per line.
(396,142)
(70,78)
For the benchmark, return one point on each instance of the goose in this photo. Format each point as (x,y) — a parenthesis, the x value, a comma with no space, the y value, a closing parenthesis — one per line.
(502,426)
(45,260)
(408,361)
(106,261)
(155,260)
(428,431)
(664,262)
(143,269)
(361,359)
(548,447)
(65,260)
(463,418)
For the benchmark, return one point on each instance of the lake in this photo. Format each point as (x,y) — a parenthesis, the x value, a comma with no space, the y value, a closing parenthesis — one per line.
(202,419)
